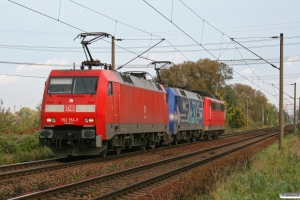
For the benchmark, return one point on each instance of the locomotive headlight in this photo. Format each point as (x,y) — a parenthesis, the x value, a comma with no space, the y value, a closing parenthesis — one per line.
(86,120)
(51,120)
(91,120)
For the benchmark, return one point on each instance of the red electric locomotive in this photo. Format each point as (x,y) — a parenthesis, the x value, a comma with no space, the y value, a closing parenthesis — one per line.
(88,112)
(214,116)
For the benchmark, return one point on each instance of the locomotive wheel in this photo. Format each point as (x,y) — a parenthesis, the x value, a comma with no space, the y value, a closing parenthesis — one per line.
(216,136)
(118,150)
(143,147)
(104,153)
(175,142)
(205,137)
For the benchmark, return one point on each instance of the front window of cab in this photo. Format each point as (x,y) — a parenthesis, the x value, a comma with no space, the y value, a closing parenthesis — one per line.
(73,85)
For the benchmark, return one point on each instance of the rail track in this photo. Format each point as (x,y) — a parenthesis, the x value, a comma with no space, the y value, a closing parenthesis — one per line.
(123,183)
(28,168)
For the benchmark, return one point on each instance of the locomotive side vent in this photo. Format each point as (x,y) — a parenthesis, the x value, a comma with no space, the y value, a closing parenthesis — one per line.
(182,93)
(126,79)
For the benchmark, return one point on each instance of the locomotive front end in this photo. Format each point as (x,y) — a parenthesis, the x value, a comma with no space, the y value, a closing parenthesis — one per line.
(69,114)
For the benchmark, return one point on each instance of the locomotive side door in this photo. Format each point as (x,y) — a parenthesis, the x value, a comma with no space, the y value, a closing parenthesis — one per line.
(116,92)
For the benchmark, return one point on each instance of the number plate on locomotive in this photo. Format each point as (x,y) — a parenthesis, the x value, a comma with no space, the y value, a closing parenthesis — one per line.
(69,120)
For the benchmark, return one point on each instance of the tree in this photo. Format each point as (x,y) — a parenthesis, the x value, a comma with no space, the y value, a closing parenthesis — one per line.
(205,75)
(6,119)
(235,117)
(255,100)
(25,112)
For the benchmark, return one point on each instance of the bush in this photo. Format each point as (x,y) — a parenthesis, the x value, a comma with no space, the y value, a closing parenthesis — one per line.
(27,143)
(7,145)
(25,121)
(10,144)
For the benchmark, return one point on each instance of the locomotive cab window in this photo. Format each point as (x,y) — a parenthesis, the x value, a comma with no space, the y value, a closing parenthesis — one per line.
(74,85)
(60,85)
(85,85)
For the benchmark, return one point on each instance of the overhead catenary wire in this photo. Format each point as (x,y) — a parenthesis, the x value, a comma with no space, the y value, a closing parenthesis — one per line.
(112,18)
(70,49)
(28,63)
(24,76)
(227,35)
(59,10)
(220,48)
(140,54)
(231,39)
(180,29)
(203,19)
(128,51)
(254,53)
(170,46)
(128,26)
(252,72)
(46,16)
(194,39)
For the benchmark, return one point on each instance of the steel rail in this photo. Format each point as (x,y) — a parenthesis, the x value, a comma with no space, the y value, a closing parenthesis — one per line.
(85,183)
(58,166)
(131,188)
(17,166)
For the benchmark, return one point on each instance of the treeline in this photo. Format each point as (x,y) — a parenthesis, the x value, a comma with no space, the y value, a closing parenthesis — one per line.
(22,122)
(19,134)
(204,75)
(211,76)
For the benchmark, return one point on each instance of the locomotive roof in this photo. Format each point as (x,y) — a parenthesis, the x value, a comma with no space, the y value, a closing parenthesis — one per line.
(185,93)
(112,76)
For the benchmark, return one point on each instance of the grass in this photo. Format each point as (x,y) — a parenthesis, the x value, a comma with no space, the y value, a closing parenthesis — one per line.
(268,174)
(22,148)
(257,172)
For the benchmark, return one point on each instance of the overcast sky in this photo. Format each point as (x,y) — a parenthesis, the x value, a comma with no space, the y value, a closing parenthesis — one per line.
(44,42)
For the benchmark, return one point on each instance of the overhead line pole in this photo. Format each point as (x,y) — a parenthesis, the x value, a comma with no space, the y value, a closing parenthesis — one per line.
(262,114)
(295,106)
(280,144)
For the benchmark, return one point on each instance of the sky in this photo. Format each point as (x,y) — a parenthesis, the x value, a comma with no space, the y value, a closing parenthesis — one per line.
(38,36)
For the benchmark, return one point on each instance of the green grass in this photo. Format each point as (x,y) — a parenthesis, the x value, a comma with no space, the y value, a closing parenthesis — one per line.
(270,173)
(22,148)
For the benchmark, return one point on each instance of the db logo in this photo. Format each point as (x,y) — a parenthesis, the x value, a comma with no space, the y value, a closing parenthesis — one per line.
(70,108)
